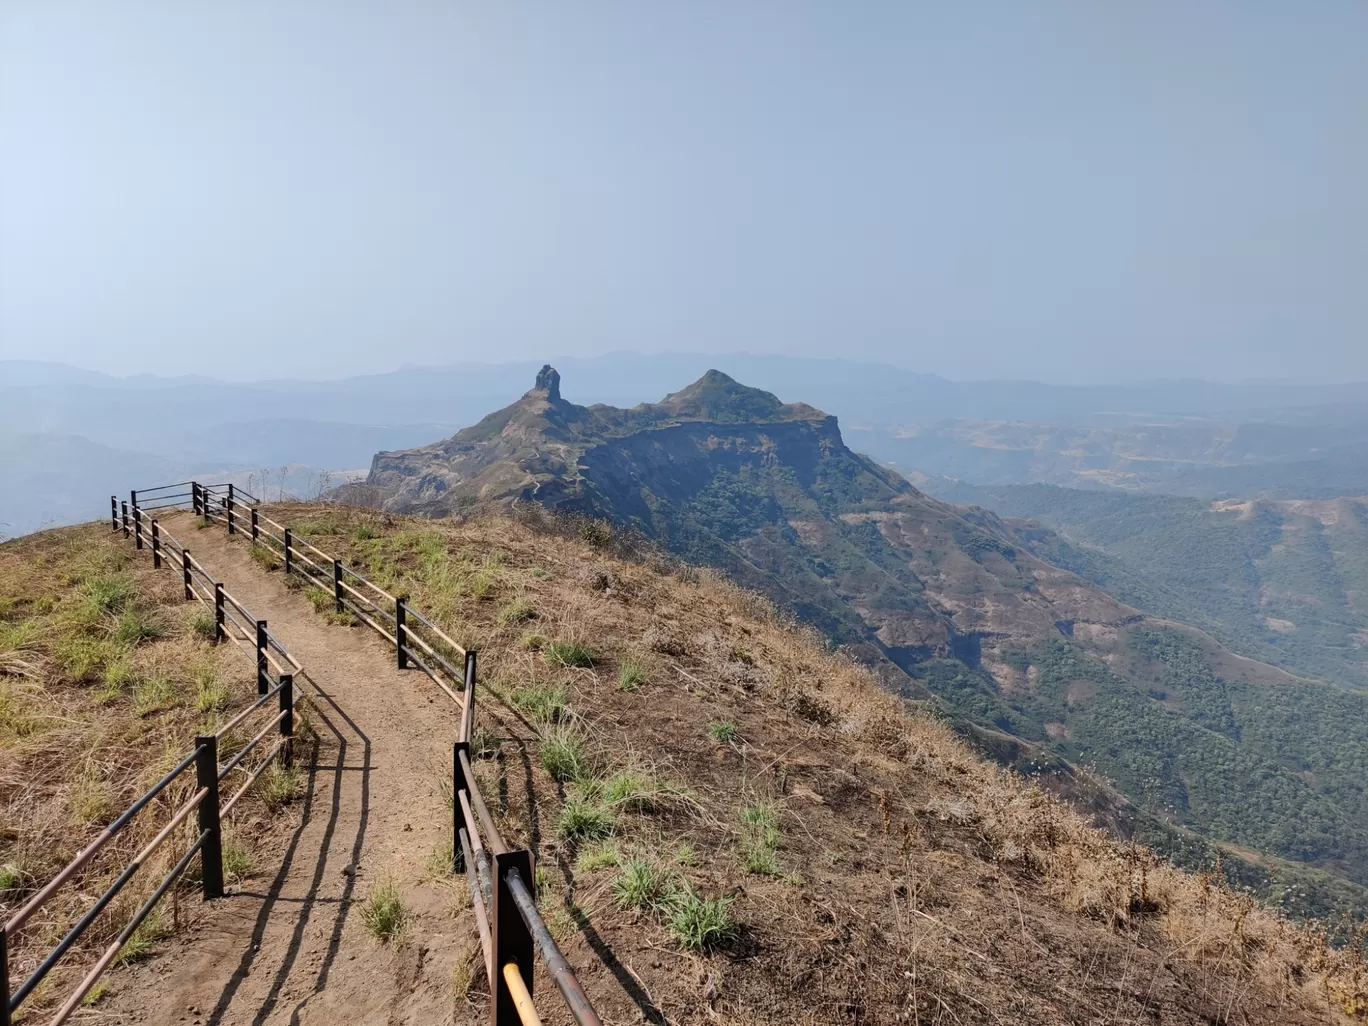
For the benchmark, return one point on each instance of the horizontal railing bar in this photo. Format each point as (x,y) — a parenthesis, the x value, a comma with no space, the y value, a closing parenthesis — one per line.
(491,832)
(368,621)
(248,711)
(74,934)
(232,763)
(456,674)
(370,584)
(477,900)
(84,856)
(561,972)
(223,813)
(409,610)
(283,650)
(75,999)
(435,679)
(522,997)
(162,488)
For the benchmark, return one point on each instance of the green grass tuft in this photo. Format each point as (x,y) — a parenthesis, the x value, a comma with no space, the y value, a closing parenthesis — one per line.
(568,653)
(698,923)
(601,854)
(760,838)
(563,753)
(640,884)
(584,819)
(517,611)
(543,703)
(723,731)
(631,675)
(384,912)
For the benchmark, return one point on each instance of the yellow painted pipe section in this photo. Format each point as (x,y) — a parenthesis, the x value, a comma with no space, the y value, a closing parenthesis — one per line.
(522,1000)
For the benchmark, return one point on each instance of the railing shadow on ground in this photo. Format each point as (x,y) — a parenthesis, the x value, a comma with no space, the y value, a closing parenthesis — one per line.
(501,880)
(340,773)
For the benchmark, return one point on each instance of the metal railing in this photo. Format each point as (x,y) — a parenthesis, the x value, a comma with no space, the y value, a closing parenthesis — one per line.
(203,758)
(502,880)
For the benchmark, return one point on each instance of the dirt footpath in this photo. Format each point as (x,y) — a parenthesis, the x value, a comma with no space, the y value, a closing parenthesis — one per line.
(288,944)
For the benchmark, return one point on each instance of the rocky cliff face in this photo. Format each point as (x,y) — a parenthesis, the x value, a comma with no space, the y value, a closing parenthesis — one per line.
(947,602)
(729,475)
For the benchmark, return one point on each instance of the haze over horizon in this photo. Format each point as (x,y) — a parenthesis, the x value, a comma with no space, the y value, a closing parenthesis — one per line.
(1068,193)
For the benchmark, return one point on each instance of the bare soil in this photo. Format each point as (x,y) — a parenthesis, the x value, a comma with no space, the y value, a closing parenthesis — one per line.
(288,944)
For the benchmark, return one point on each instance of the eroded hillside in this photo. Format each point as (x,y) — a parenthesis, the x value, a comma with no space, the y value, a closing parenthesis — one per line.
(1048,671)
(663,733)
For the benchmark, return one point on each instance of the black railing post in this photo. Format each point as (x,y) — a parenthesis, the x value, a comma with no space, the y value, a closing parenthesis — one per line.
(263,681)
(469,695)
(511,940)
(206,779)
(156,545)
(4,980)
(185,575)
(459,786)
(133,500)
(256,527)
(231,522)
(124,505)
(195,501)
(137,527)
(337,583)
(287,721)
(114,512)
(219,633)
(289,556)
(400,633)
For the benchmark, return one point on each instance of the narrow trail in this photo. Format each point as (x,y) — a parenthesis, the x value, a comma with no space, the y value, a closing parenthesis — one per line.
(288,944)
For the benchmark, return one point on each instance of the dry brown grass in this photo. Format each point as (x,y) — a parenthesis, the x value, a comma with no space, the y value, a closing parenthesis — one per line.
(103,687)
(914,884)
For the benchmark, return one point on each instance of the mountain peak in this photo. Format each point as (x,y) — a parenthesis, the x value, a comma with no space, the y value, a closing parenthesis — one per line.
(720,397)
(548,383)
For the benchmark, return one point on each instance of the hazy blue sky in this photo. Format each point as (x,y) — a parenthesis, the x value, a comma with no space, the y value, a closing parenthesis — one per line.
(1073,191)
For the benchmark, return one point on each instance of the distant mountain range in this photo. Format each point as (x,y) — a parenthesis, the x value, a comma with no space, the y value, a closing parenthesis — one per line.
(954,606)
(1302,440)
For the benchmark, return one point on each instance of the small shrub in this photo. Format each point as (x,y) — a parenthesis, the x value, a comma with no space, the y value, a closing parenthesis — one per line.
(204,625)
(568,653)
(532,642)
(110,593)
(543,703)
(631,675)
(483,742)
(136,626)
(118,676)
(760,838)
(237,860)
(211,694)
(279,785)
(698,923)
(600,854)
(144,939)
(631,789)
(517,611)
(152,695)
(365,533)
(723,731)
(640,884)
(264,557)
(12,877)
(83,659)
(539,573)
(563,753)
(686,855)
(595,532)
(584,819)
(384,912)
